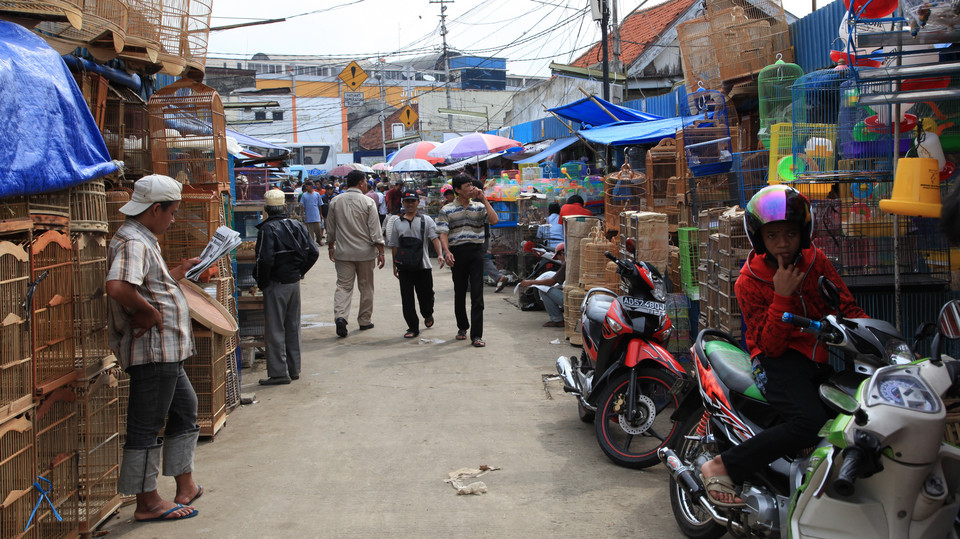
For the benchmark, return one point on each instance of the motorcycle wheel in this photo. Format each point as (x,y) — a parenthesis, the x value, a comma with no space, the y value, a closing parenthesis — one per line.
(635,445)
(585,414)
(692,519)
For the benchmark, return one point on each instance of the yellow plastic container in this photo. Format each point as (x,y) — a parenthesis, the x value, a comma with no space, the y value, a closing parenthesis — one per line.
(916,188)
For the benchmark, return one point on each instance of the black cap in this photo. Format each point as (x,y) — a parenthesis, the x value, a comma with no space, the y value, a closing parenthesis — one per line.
(410,195)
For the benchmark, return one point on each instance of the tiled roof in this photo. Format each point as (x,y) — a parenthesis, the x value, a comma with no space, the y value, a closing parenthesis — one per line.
(638,29)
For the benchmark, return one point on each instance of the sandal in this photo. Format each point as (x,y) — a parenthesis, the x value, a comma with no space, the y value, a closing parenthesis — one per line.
(428,321)
(410,334)
(462,335)
(478,343)
(552,324)
(721,484)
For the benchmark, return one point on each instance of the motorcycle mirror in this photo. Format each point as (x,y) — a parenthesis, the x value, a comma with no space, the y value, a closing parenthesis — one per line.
(631,246)
(527,246)
(829,292)
(842,403)
(948,323)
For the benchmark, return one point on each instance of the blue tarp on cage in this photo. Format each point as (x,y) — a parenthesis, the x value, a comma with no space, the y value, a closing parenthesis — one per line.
(631,133)
(48,139)
(595,111)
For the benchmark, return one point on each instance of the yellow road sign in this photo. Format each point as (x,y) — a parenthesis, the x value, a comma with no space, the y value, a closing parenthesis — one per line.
(409,116)
(353,75)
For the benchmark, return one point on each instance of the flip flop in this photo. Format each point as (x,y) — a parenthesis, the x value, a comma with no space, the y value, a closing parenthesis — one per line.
(720,484)
(163,517)
(200,487)
(502,282)
(410,334)
(462,335)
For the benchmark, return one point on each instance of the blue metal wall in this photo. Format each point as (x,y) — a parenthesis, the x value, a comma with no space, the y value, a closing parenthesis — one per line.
(813,36)
(669,105)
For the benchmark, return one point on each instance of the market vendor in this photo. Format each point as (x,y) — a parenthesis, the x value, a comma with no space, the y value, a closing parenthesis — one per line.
(550,289)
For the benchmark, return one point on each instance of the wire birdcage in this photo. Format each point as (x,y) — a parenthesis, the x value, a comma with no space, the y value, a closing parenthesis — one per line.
(866,132)
(748,36)
(752,170)
(706,141)
(776,97)
(126,131)
(18,471)
(99,446)
(52,318)
(103,33)
(188,135)
(816,114)
(70,11)
(196,33)
(624,190)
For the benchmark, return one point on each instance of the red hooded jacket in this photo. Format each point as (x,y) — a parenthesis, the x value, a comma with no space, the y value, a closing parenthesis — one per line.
(763,309)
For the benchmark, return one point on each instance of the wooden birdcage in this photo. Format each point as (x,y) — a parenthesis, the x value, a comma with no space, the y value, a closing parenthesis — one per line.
(50,210)
(126,131)
(103,33)
(197,220)
(173,24)
(18,471)
(56,423)
(47,10)
(16,353)
(52,315)
(188,135)
(661,170)
(623,191)
(94,88)
(207,371)
(90,303)
(699,53)
(123,392)
(99,447)
(88,207)
(116,198)
(195,37)
(142,44)
(14,215)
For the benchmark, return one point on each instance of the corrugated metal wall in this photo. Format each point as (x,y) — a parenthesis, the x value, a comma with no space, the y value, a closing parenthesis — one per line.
(813,36)
(669,105)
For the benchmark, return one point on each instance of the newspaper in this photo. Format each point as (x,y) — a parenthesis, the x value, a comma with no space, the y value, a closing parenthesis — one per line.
(223,241)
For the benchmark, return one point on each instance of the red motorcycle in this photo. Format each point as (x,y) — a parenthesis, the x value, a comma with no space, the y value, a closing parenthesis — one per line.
(624,373)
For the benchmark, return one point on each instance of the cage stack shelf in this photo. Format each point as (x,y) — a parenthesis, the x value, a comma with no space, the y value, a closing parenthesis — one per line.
(16,353)
(188,135)
(207,372)
(126,131)
(56,425)
(103,32)
(18,471)
(99,411)
(52,318)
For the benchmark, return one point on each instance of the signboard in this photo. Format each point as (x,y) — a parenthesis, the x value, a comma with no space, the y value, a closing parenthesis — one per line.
(397,130)
(409,116)
(353,75)
(352,99)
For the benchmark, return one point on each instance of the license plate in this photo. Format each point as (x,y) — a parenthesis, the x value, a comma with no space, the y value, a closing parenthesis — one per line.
(658,308)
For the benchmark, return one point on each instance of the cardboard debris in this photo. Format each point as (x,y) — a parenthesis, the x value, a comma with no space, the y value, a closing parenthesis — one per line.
(455,478)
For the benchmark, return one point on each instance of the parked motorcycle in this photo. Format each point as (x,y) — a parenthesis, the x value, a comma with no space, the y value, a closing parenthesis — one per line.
(880,471)
(624,374)
(529,300)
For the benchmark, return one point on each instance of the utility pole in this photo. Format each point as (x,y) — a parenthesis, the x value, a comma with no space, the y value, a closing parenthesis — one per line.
(446,57)
(604,22)
(615,26)
(293,97)
(383,108)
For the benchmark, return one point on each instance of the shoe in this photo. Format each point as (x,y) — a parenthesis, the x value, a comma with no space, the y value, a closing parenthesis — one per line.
(341,327)
(366,327)
(462,335)
(274,381)
(502,282)
(552,324)
(428,321)
(478,343)
(294,376)
(164,516)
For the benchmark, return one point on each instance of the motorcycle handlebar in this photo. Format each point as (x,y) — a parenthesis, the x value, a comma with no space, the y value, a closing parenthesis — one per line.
(824,329)
(609,255)
(849,471)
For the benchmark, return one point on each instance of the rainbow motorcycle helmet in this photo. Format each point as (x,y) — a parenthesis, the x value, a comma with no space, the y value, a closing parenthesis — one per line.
(777,203)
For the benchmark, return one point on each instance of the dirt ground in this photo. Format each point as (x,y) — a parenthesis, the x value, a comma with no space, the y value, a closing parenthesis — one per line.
(361,444)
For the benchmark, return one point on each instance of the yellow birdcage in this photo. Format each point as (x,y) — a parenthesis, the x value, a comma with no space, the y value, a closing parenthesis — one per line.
(103,34)
(188,138)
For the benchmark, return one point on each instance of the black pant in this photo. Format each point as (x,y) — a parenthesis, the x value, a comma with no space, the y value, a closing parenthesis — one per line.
(421,283)
(793,382)
(468,272)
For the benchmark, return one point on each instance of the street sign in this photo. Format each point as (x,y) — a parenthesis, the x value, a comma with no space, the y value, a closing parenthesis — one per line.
(409,116)
(397,130)
(352,99)
(353,75)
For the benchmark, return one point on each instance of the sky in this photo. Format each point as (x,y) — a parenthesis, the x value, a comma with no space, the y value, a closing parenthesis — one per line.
(529,33)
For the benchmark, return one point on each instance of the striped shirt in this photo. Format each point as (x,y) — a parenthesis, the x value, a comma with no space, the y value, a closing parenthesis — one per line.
(135,258)
(463,225)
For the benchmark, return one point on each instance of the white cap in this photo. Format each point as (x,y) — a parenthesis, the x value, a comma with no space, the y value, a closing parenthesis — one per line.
(274,197)
(149,190)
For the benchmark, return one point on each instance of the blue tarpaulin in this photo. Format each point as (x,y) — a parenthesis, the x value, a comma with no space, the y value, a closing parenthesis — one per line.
(550,150)
(590,112)
(246,140)
(48,138)
(630,133)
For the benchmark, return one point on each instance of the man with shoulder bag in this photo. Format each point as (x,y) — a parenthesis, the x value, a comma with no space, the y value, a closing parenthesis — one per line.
(411,262)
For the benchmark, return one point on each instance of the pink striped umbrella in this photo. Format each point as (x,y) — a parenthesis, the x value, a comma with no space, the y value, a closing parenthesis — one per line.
(416,150)
(474,144)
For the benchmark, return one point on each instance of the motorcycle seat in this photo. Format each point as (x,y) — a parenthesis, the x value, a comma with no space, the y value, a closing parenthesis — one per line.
(598,306)
(733,366)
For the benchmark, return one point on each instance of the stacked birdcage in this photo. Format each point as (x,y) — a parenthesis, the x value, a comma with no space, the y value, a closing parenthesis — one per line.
(708,254)
(94,88)
(90,304)
(126,132)
(99,447)
(103,32)
(196,33)
(52,315)
(142,44)
(50,211)
(624,190)
(207,372)
(88,207)
(699,52)
(689,260)
(706,142)
(752,170)
(188,135)
(197,220)
(48,10)
(16,354)
(776,96)
(732,251)
(18,471)
(116,198)
(56,425)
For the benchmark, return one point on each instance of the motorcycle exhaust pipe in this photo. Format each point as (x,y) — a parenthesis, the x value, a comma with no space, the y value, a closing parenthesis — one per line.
(565,369)
(689,482)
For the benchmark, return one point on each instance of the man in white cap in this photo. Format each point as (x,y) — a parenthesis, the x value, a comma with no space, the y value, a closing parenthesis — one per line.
(284,254)
(149,325)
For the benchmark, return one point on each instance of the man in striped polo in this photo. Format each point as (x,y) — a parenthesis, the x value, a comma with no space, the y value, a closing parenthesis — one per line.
(461,229)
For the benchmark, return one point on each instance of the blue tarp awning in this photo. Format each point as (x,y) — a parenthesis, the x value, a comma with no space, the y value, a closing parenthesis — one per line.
(589,112)
(550,150)
(630,133)
(246,140)
(49,139)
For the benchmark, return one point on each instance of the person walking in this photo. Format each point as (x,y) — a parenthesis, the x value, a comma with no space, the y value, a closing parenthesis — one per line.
(393,196)
(382,206)
(411,262)
(150,333)
(355,244)
(461,229)
(284,254)
(311,202)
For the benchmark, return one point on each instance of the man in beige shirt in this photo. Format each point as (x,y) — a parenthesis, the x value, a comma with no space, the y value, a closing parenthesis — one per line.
(355,246)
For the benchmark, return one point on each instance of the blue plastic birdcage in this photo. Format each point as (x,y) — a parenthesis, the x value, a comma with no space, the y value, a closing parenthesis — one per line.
(706,141)
(866,132)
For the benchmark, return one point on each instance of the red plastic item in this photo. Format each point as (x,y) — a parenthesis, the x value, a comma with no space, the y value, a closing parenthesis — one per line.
(874,126)
(874,9)
(929,83)
(837,56)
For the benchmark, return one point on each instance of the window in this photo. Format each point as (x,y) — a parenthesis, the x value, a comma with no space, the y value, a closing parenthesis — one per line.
(260,115)
(315,154)
(278,115)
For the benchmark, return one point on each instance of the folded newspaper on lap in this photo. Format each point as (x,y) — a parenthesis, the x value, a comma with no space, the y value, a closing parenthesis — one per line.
(223,241)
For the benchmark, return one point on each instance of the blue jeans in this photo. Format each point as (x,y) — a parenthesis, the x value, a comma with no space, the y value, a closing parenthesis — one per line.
(553,303)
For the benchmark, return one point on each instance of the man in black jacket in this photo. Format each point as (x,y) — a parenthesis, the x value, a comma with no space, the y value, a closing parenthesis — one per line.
(285,252)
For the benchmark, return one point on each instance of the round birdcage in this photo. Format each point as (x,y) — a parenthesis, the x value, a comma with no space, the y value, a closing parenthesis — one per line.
(623,190)
(103,33)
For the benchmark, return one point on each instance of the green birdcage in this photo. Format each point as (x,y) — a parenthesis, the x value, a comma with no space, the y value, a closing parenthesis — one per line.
(774,83)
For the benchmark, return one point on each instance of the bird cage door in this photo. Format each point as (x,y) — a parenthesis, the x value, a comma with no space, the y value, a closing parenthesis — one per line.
(706,142)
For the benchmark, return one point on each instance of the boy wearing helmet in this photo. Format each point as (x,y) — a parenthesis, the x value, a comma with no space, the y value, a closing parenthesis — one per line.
(780,275)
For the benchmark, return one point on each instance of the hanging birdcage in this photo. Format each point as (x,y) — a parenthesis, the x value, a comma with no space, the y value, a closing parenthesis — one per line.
(195,35)
(142,44)
(706,142)
(698,48)
(173,23)
(103,33)
(70,11)
(623,191)
(776,98)
(188,135)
